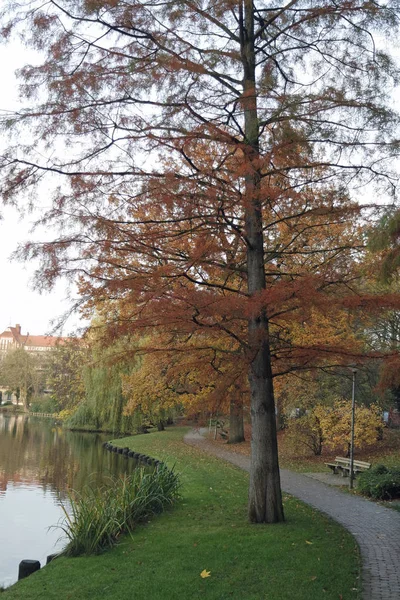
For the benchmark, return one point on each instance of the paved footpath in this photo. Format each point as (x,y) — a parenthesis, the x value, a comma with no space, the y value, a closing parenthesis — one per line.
(376,529)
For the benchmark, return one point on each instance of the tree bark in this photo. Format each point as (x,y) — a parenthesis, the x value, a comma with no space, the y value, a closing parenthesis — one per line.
(236,427)
(265,498)
(25,400)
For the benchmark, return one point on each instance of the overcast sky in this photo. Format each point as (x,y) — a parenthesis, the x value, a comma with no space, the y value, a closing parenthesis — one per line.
(18,302)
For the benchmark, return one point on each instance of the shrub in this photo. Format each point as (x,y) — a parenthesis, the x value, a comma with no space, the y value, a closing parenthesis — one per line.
(65,414)
(45,404)
(99,516)
(305,433)
(379,470)
(380,483)
(330,426)
(335,424)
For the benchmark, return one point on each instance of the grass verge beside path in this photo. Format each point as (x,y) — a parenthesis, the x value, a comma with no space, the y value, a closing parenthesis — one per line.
(306,558)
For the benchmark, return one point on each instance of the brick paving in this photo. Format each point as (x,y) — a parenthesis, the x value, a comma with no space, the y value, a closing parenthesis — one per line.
(376,529)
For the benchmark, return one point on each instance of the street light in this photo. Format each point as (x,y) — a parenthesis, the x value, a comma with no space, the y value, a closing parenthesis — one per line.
(353,413)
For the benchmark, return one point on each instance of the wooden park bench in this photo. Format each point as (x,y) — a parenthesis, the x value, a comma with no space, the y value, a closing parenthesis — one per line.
(342,466)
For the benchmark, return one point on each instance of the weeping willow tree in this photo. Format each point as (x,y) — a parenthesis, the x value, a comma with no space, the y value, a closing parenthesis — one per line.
(103,402)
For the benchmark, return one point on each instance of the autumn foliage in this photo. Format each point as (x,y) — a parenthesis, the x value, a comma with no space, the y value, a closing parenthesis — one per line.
(201,159)
(330,426)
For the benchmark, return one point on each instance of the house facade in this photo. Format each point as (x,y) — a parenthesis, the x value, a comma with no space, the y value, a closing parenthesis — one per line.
(12,338)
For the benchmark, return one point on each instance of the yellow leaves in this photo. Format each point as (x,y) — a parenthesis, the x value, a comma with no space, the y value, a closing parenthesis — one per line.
(323,328)
(65,414)
(329,426)
(335,423)
(307,542)
(146,388)
(205,574)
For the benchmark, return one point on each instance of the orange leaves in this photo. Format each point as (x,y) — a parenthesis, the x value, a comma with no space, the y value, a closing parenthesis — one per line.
(200,373)
(390,374)
(95,5)
(146,388)
(43,21)
(373,302)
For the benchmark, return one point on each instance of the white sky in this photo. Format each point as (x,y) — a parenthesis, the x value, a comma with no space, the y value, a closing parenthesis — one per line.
(18,302)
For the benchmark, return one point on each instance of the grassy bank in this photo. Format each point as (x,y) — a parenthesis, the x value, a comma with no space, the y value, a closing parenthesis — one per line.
(207,530)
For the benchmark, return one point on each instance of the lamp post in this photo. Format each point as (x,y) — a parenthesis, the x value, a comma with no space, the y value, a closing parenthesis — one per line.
(353,413)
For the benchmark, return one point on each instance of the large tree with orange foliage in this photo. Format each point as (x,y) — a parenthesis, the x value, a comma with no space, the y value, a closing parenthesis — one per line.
(193,141)
(182,375)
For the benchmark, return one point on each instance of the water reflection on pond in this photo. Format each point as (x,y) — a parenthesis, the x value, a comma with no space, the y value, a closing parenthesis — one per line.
(39,463)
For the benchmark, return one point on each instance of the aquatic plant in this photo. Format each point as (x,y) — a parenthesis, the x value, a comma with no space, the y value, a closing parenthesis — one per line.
(99,516)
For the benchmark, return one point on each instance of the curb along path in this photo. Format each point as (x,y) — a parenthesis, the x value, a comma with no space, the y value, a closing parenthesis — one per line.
(376,529)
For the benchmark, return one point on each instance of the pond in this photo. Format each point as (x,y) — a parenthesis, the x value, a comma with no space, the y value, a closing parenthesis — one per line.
(39,462)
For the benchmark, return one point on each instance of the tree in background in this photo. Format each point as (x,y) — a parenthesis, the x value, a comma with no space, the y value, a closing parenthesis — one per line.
(197,376)
(65,373)
(20,371)
(149,393)
(306,434)
(277,96)
(330,427)
(335,423)
(384,244)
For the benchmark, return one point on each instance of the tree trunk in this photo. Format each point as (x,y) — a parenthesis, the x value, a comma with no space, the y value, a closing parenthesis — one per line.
(24,396)
(278,416)
(236,427)
(25,401)
(265,498)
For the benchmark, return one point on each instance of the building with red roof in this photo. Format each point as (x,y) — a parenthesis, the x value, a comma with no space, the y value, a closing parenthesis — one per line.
(12,338)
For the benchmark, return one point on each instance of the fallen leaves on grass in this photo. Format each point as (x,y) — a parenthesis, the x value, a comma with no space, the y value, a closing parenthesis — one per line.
(205,574)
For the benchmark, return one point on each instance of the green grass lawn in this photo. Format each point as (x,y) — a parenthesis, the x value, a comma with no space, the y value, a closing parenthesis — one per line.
(306,558)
